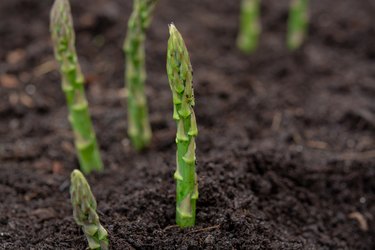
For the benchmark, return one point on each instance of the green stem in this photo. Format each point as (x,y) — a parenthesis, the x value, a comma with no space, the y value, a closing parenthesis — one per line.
(72,84)
(139,129)
(297,23)
(180,76)
(250,27)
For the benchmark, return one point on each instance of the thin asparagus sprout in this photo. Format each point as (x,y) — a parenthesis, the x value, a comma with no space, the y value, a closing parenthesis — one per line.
(180,76)
(63,38)
(139,129)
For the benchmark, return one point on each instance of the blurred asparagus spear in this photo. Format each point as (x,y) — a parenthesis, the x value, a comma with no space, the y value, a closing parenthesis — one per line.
(250,27)
(63,38)
(139,129)
(180,76)
(84,212)
(297,23)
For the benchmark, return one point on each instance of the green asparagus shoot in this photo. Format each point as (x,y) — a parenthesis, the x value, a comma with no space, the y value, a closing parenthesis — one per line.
(84,212)
(180,75)
(297,23)
(139,129)
(63,38)
(250,27)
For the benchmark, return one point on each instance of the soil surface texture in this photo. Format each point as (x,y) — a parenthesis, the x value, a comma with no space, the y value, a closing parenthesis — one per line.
(286,145)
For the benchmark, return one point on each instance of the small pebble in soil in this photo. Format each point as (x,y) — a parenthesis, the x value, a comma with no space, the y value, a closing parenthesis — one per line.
(14,124)
(126,145)
(210,239)
(362,200)
(299,148)
(30,89)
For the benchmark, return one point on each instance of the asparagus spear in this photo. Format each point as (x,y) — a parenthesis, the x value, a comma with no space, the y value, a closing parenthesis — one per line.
(180,76)
(250,27)
(63,38)
(84,212)
(139,129)
(297,23)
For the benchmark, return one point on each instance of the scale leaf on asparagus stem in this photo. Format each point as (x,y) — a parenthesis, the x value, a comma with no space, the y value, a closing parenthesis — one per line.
(180,76)
(250,26)
(139,129)
(297,23)
(63,38)
(84,212)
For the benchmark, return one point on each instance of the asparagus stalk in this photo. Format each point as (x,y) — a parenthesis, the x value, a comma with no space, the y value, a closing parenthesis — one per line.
(180,75)
(139,129)
(297,23)
(63,38)
(84,212)
(250,27)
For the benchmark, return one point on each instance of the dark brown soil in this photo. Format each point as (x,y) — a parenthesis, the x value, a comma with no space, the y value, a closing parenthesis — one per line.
(286,151)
